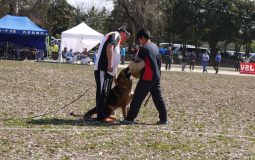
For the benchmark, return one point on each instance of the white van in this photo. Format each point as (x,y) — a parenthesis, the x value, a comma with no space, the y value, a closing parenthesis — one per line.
(190,48)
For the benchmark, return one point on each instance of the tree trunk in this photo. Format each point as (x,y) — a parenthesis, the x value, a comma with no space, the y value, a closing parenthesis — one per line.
(132,39)
(213,47)
(11,9)
(247,50)
(124,4)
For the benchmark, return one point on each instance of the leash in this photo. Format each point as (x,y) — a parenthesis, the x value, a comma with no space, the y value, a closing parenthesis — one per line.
(54,111)
(147,100)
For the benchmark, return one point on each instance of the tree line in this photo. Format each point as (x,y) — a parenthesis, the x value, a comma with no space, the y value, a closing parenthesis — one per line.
(195,21)
(180,21)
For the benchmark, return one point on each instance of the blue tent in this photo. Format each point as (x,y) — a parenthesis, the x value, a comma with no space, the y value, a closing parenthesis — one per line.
(22,31)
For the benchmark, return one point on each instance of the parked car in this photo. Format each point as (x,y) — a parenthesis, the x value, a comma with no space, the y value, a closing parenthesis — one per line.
(252,58)
(190,49)
(251,54)
(228,54)
(163,47)
(242,55)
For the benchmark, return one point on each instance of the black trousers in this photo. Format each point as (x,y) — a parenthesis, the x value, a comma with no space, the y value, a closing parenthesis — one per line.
(216,66)
(191,65)
(142,89)
(104,85)
(168,63)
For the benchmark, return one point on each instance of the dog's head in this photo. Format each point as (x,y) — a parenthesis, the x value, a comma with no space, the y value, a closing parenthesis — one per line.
(123,78)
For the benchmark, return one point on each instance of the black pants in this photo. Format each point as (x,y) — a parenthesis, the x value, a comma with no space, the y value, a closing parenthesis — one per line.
(168,63)
(142,89)
(104,85)
(183,66)
(192,64)
(216,66)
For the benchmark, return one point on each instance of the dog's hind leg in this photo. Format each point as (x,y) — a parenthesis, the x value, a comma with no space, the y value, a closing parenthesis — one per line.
(90,113)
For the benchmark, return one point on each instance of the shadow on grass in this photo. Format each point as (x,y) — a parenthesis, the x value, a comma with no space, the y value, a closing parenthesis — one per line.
(79,122)
(72,122)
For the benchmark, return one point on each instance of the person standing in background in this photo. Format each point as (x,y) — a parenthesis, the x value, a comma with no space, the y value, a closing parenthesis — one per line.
(169,58)
(192,60)
(95,56)
(61,55)
(184,61)
(134,51)
(217,63)
(123,54)
(205,60)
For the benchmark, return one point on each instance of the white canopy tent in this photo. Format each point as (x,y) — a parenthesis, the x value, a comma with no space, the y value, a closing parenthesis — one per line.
(80,37)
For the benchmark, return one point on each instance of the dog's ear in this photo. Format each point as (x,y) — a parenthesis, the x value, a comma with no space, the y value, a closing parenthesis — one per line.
(118,79)
(127,73)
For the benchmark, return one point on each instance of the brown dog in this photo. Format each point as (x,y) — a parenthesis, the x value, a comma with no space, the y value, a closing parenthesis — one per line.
(119,96)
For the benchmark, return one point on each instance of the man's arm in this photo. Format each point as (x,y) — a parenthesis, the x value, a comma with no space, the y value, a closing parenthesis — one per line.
(109,53)
(142,53)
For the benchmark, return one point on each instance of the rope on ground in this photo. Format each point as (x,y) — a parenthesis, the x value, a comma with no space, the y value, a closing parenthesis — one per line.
(53,111)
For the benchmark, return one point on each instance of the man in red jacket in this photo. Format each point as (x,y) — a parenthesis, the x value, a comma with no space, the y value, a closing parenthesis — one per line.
(149,80)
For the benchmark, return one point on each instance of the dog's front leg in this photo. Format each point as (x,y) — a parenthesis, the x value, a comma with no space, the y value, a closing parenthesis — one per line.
(130,97)
(124,111)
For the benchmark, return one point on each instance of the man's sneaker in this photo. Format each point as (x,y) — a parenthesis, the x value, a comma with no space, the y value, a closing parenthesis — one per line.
(162,123)
(126,122)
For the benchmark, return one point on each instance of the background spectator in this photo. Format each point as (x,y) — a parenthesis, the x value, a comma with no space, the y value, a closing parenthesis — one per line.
(192,60)
(184,61)
(205,60)
(123,54)
(169,58)
(69,56)
(217,62)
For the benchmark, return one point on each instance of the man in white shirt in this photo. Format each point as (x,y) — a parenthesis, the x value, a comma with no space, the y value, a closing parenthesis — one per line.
(108,59)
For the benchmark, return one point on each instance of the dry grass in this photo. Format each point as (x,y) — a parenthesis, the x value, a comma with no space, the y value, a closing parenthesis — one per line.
(208,114)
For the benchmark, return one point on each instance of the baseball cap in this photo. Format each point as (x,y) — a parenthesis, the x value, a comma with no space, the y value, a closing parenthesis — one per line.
(121,29)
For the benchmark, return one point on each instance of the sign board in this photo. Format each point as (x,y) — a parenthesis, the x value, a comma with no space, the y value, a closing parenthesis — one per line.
(247,68)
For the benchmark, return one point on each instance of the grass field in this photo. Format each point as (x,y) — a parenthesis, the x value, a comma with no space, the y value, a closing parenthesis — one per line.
(211,117)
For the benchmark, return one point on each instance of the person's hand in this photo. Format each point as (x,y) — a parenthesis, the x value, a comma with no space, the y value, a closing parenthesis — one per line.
(109,68)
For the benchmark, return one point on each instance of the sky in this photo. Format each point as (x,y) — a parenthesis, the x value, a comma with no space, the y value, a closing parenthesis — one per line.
(108,4)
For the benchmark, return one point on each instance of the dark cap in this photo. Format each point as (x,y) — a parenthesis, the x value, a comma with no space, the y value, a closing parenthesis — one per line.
(124,29)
